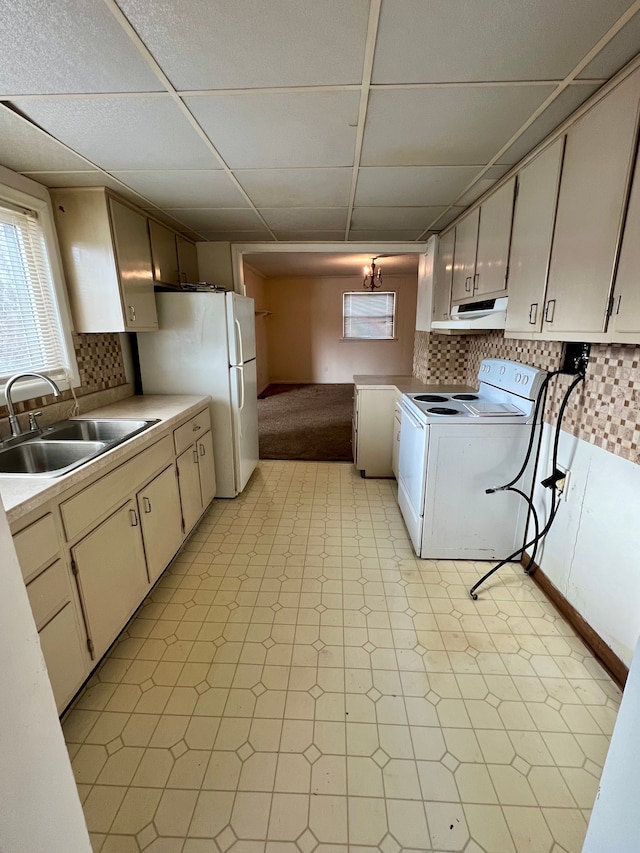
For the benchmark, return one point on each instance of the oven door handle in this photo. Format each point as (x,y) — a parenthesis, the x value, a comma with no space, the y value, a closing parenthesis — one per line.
(414,421)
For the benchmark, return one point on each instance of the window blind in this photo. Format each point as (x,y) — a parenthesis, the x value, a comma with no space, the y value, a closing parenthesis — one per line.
(369,316)
(30,337)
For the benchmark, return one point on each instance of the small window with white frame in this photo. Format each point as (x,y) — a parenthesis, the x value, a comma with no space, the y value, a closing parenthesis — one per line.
(369,316)
(35,332)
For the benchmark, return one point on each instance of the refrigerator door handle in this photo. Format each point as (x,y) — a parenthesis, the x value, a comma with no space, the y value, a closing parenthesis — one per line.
(239,338)
(240,370)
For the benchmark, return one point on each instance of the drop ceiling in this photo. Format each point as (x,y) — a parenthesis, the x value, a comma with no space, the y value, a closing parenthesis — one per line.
(297,120)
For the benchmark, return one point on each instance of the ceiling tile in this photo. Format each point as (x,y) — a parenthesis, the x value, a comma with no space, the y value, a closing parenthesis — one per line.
(248,236)
(447,218)
(296,187)
(92,178)
(304,218)
(75,46)
(450,126)
(560,109)
(394,217)
(280,130)
(181,188)
(412,185)
(380,235)
(26,148)
(458,40)
(617,53)
(217,219)
(214,44)
(146,132)
(310,236)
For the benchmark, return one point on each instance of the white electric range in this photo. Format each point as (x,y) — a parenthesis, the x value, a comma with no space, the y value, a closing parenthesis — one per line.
(455,446)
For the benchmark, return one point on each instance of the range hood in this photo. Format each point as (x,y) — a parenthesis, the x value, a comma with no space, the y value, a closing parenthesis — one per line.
(475,316)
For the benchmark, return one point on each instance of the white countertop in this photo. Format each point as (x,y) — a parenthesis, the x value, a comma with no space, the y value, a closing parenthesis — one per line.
(406,384)
(21,495)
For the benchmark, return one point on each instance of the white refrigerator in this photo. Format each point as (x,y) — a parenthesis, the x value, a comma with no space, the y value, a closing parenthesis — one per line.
(206,344)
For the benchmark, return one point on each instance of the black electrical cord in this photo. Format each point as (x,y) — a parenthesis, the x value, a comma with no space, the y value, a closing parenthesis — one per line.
(539,534)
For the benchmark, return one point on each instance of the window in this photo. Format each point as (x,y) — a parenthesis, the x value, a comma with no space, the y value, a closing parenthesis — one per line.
(34,327)
(369,316)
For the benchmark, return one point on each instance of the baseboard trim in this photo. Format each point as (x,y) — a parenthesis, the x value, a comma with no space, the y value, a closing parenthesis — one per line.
(608,658)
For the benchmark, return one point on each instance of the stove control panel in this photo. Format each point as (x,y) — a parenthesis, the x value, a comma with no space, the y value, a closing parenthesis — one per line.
(512,376)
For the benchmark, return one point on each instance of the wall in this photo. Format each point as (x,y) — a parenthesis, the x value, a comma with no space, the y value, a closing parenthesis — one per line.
(40,808)
(305,331)
(590,554)
(255,287)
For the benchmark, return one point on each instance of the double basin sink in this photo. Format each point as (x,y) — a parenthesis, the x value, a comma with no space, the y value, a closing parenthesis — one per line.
(65,445)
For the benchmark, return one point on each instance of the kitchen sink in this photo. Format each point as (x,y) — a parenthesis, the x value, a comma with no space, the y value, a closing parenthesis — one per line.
(110,430)
(47,458)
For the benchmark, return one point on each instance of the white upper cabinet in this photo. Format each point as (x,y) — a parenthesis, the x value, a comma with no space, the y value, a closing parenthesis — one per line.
(624,323)
(591,203)
(494,235)
(533,219)
(425,287)
(443,276)
(133,258)
(164,254)
(464,262)
(482,248)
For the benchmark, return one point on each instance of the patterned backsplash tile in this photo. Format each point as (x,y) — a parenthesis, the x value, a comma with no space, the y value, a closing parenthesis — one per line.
(100,365)
(604,411)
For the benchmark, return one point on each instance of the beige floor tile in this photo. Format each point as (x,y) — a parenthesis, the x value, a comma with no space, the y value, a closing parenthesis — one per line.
(212,813)
(137,810)
(289,816)
(448,827)
(101,805)
(174,812)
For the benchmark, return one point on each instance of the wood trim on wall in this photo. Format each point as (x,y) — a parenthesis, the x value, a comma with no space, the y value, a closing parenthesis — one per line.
(607,657)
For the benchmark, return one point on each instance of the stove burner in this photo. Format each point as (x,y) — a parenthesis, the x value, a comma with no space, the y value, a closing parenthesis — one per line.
(442,410)
(430,398)
(465,397)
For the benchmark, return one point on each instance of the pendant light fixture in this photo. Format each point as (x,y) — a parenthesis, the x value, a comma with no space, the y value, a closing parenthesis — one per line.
(372,276)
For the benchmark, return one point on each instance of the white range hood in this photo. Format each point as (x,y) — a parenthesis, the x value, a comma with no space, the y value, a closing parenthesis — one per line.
(475,316)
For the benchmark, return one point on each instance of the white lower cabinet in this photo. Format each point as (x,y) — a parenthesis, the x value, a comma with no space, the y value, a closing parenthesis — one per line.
(189,478)
(206,469)
(196,470)
(159,512)
(395,453)
(373,431)
(64,655)
(110,568)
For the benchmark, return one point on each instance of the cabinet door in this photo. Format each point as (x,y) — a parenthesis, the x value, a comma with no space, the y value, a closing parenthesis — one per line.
(625,318)
(63,653)
(163,253)
(187,260)
(531,239)
(207,469)
(443,275)
(425,287)
(375,431)
(111,574)
(133,256)
(395,454)
(494,236)
(464,259)
(590,206)
(160,517)
(189,482)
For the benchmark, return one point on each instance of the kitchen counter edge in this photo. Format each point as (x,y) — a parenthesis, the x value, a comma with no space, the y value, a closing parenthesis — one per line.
(407,385)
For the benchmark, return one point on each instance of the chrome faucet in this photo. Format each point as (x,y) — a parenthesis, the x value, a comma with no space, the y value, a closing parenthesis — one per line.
(14,424)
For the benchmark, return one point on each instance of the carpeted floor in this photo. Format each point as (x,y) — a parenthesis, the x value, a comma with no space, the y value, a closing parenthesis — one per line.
(311,422)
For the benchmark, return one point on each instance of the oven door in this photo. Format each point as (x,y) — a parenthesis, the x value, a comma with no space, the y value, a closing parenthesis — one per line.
(412,463)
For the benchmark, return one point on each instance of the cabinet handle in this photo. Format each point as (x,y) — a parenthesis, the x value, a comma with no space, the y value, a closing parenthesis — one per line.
(475,282)
(398,436)
(533,313)
(132,313)
(550,310)
(618,305)
(202,450)
(195,456)
(467,284)
(196,427)
(147,505)
(133,515)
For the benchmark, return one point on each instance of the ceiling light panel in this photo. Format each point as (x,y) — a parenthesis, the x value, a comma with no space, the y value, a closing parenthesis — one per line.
(412,185)
(394,217)
(458,40)
(215,44)
(447,126)
(296,187)
(75,46)
(280,130)
(559,109)
(25,148)
(117,133)
(182,188)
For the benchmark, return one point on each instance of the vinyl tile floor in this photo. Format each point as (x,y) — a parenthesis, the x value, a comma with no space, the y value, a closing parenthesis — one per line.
(298,682)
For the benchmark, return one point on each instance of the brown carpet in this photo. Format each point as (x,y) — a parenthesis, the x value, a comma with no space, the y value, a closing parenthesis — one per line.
(310,422)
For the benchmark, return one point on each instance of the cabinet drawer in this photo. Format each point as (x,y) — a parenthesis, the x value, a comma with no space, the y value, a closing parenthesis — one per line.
(64,656)
(36,545)
(189,432)
(88,506)
(48,593)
